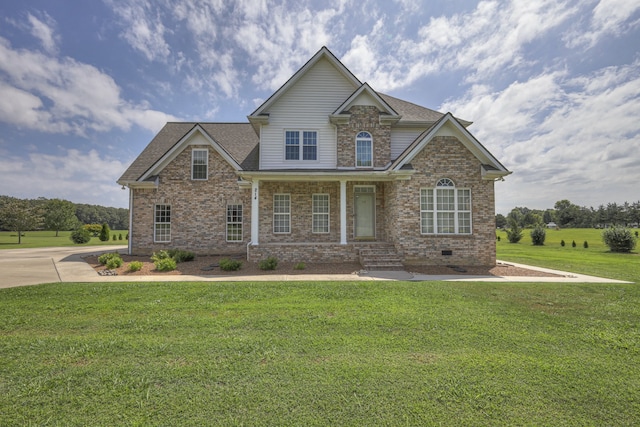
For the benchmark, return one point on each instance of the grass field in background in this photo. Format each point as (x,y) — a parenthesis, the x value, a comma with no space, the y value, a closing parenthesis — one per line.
(44,239)
(596,260)
(317,354)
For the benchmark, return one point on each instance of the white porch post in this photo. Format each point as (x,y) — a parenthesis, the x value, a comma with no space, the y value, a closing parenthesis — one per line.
(255,211)
(343,212)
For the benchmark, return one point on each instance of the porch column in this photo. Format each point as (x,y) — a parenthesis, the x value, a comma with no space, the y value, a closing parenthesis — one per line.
(343,212)
(255,211)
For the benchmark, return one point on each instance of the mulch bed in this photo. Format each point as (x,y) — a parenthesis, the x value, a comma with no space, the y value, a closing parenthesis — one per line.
(209,266)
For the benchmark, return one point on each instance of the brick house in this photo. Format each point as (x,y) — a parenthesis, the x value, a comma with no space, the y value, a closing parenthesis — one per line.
(325,170)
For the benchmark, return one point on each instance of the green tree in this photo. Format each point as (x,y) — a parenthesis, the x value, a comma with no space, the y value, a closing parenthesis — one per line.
(514,232)
(59,215)
(20,215)
(105,233)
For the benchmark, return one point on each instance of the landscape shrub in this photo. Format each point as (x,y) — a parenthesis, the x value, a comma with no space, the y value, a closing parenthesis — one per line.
(538,235)
(573,244)
(160,255)
(135,265)
(94,229)
(227,264)
(269,263)
(181,255)
(300,266)
(619,239)
(562,243)
(113,237)
(114,262)
(165,264)
(105,232)
(585,245)
(105,257)
(120,236)
(80,236)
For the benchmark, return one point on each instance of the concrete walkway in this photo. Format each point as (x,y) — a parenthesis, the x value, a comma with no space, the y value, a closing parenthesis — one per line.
(22,267)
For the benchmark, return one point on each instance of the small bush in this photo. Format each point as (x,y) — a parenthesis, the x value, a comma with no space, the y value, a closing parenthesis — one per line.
(585,245)
(105,232)
(573,244)
(562,243)
(619,239)
(538,235)
(227,264)
(165,264)
(135,266)
(636,234)
(120,236)
(113,237)
(269,263)
(114,262)
(181,256)
(104,258)
(300,266)
(94,229)
(160,255)
(127,237)
(80,236)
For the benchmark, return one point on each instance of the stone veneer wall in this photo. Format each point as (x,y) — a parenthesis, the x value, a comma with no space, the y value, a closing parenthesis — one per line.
(363,118)
(198,208)
(443,157)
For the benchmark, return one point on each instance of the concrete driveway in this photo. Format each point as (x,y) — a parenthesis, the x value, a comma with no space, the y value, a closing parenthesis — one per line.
(21,267)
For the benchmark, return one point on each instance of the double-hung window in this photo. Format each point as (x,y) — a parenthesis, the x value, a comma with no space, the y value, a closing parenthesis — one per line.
(301,145)
(234,223)
(320,213)
(364,150)
(282,213)
(445,209)
(199,163)
(162,224)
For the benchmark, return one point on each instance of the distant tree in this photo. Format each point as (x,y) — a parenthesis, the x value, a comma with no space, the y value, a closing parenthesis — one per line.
(501,221)
(20,216)
(59,215)
(538,235)
(566,213)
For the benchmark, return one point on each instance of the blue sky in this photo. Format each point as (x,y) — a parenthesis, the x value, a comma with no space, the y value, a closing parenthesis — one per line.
(552,86)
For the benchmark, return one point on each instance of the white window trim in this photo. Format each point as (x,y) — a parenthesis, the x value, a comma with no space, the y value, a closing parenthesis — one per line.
(300,145)
(240,222)
(287,214)
(356,150)
(323,214)
(456,210)
(156,223)
(193,154)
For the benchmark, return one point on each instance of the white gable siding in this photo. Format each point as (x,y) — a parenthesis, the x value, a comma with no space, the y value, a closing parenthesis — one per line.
(401,138)
(305,106)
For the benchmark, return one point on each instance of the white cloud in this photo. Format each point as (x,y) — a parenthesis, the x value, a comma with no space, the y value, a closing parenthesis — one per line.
(65,96)
(83,177)
(142,30)
(608,18)
(44,30)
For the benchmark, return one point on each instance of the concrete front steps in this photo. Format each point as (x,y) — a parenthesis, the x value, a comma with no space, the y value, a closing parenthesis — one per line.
(380,257)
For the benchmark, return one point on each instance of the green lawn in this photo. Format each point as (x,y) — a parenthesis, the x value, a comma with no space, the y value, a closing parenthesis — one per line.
(291,353)
(44,239)
(595,260)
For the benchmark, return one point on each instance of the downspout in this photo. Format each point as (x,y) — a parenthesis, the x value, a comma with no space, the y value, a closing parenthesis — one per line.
(130,221)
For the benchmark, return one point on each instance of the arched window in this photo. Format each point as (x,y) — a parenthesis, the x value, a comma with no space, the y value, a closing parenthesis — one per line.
(364,150)
(445,209)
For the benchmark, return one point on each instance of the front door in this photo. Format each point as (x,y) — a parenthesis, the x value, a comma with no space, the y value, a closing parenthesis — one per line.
(365,215)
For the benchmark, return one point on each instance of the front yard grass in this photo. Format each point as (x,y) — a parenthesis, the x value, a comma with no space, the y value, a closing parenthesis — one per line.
(45,239)
(293,353)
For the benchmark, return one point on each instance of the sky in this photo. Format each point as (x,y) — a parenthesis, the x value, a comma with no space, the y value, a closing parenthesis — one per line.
(552,87)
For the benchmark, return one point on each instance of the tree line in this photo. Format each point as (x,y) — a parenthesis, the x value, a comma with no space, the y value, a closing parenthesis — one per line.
(568,215)
(57,215)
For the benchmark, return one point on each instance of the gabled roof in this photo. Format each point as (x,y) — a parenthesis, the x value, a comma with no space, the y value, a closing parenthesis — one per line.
(322,53)
(491,167)
(237,142)
(411,112)
(366,89)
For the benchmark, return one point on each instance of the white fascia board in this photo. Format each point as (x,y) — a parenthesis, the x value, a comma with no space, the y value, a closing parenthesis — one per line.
(179,146)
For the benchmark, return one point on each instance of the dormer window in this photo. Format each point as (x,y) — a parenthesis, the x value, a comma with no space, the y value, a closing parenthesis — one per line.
(293,140)
(364,150)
